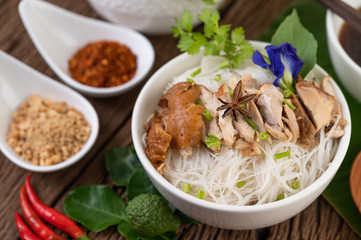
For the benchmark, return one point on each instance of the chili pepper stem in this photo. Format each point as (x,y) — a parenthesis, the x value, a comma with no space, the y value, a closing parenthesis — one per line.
(52,215)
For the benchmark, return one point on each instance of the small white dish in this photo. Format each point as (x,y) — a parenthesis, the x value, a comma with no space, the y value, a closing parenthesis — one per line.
(221,215)
(346,68)
(150,16)
(58,34)
(17,82)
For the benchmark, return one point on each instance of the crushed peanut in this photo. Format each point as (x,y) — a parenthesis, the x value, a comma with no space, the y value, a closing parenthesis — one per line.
(46,132)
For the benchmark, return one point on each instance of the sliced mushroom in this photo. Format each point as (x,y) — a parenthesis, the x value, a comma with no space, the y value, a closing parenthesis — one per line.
(257,118)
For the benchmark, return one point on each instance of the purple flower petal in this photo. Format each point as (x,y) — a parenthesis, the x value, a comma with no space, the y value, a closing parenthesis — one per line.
(259,60)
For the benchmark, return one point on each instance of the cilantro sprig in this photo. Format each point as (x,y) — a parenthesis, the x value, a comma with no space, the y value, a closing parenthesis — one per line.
(217,40)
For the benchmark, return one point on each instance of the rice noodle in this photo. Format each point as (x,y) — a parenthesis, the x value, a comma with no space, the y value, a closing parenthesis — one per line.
(264,177)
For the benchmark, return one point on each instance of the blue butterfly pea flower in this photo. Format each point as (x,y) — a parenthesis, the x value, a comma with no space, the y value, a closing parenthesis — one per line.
(284,64)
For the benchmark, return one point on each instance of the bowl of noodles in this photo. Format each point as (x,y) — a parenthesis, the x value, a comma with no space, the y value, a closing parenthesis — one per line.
(256,176)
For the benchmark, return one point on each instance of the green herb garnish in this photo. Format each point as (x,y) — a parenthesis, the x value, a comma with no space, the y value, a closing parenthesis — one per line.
(263,135)
(287,93)
(280,197)
(190,80)
(216,39)
(196,72)
(201,194)
(207,114)
(289,104)
(218,78)
(295,184)
(282,155)
(186,188)
(250,122)
(231,92)
(241,184)
(212,141)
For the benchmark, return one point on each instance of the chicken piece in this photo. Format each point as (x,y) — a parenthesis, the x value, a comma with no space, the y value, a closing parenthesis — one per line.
(154,119)
(257,118)
(307,130)
(225,124)
(326,86)
(243,128)
(185,126)
(291,121)
(249,84)
(157,142)
(211,103)
(180,95)
(270,103)
(248,149)
(337,133)
(319,104)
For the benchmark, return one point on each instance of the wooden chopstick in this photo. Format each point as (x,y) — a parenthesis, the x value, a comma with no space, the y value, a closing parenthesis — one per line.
(348,13)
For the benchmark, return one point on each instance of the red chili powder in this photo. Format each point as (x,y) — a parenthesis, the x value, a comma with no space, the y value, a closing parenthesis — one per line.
(103,64)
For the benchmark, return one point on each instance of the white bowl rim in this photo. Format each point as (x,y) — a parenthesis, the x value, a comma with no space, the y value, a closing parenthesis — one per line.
(329,173)
(336,43)
(76,157)
(92,91)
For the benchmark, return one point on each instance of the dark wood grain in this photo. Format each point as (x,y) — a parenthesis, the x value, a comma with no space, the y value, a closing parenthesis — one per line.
(318,221)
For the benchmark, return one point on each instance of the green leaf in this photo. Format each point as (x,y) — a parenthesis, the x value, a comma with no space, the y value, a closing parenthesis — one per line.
(237,35)
(209,2)
(187,21)
(140,183)
(127,231)
(292,31)
(120,164)
(313,15)
(96,207)
(185,42)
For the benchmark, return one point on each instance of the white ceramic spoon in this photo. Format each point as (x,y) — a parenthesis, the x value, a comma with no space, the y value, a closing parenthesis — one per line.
(17,82)
(58,34)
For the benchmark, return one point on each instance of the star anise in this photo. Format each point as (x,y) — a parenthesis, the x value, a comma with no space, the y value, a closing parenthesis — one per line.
(235,104)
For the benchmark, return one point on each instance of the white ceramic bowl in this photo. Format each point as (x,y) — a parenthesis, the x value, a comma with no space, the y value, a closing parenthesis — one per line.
(219,215)
(148,16)
(58,34)
(17,83)
(346,69)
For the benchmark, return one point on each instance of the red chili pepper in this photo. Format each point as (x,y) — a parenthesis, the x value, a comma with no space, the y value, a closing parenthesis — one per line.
(34,221)
(24,231)
(51,215)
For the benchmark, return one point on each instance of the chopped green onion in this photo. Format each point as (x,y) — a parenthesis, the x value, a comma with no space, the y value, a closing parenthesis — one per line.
(241,184)
(190,80)
(200,194)
(287,93)
(243,105)
(280,197)
(218,78)
(224,64)
(196,72)
(251,123)
(186,188)
(295,184)
(282,155)
(207,114)
(263,135)
(212,141)
(198,102)
(231,92)
(289,104)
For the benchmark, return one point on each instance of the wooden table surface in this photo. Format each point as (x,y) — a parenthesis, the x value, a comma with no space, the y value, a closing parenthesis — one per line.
(318,221)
